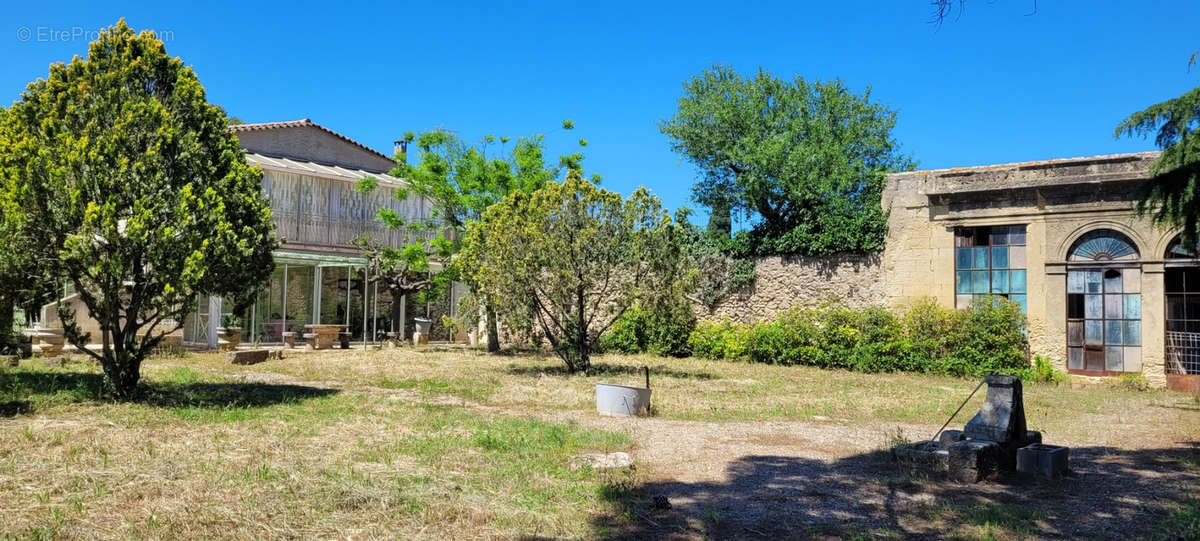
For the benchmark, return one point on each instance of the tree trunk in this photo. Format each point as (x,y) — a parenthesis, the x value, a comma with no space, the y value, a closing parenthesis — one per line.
(581,337)
(493,330)
(122,376)
(398,315)
(7,309)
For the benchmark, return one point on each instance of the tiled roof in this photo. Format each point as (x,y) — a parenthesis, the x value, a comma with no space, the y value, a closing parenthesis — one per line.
(304,123)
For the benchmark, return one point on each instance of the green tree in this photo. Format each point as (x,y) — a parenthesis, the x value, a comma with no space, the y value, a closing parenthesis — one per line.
(129,187)
(581,255)
(1171,196)
(806,159)
(462,181)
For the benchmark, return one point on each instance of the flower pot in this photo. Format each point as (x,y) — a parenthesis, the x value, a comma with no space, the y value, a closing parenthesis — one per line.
(228,338)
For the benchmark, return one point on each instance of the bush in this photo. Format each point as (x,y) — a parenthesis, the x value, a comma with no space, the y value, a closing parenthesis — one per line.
(987,337)
(663,331)
(723,340)
(1044,372)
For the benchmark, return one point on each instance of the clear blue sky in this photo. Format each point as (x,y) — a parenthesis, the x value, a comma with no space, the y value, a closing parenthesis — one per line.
(992,86)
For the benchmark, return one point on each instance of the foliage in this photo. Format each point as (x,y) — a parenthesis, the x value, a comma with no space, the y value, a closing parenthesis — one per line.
(662,330)
(806,159)
(578,256)
(722,340)
(130,188)
(1045,372)
(462,181)
(1132,382)
(923,338)
(1171,196)
(722,268)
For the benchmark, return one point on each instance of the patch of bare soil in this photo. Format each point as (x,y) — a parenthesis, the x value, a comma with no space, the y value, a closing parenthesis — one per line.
(803,480)
(782,480)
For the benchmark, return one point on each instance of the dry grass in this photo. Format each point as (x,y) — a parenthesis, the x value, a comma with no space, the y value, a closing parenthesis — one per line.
(428,444)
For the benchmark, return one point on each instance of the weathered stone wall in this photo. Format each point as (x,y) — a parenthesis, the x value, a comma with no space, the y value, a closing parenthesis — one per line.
(785,281)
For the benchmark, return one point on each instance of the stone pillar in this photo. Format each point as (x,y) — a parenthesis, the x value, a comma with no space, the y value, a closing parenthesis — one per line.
(1048,333)
(1154,333)
(214,320)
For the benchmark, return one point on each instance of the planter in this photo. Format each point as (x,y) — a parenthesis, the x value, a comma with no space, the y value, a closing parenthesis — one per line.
(228,338)
(422,325)
(622,401)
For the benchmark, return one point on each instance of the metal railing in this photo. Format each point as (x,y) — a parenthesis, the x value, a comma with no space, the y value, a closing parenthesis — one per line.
(1183,352)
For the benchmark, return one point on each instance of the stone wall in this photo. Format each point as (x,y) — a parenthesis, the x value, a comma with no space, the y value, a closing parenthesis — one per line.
(785,281)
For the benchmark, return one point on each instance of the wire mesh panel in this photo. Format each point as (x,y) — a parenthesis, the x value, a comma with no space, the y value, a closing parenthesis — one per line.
(1183,352)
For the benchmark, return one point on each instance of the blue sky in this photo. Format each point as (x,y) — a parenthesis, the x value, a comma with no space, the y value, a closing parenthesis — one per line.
(996,85)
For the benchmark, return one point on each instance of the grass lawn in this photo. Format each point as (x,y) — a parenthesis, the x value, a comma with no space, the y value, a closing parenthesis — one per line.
(450,443)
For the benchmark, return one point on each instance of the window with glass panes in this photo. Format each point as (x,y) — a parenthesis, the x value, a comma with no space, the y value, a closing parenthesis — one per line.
(989,261)
(1104,305)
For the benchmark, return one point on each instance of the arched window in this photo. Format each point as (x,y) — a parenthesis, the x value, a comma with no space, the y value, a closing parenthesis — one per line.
(1104,304)
(1177,250)
(1103,245)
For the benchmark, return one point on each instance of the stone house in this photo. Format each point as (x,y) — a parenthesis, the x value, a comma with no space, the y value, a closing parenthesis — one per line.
(310,176)
(1106,292)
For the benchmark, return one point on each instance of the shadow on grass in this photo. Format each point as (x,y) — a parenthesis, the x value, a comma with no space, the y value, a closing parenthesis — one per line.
(1112,493)
(21,386)
(605,369)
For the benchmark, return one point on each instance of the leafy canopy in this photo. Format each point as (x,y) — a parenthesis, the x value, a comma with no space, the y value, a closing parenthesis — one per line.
(806,160)
(125,183)
(580,255)
(1171,196)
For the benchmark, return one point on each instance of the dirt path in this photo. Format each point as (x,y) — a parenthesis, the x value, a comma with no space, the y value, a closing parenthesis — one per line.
(779,480)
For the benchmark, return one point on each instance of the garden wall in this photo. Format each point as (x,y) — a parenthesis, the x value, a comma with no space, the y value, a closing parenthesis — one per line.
(785,281)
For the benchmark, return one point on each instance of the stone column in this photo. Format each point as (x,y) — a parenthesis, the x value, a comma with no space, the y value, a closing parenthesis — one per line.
(1048,334)
(214,319)
(1154,333)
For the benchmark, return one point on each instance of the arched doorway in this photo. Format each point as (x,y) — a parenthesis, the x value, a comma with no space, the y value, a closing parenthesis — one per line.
(1104,304)
(1181,284)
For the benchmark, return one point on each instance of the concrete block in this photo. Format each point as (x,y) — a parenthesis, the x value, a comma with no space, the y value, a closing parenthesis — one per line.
(971,461)
(1051,461)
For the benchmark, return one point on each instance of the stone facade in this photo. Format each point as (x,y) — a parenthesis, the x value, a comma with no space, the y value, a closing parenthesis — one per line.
(1057,202)
(1057,206)
(782,282)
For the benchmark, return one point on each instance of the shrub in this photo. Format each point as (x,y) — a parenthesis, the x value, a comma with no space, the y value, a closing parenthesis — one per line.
(987,337)
(1132,382)
(1044,372)
(624,337)
(723,340)
(662,331)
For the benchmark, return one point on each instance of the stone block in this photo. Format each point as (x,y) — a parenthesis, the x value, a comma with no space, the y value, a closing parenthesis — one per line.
(923,454)
(1002,417)
(971,461)
(250,356)
(948,437)
(1051,461)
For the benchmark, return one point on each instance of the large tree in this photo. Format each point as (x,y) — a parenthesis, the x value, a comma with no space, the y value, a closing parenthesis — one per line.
(131,189)
(1171,196)
(462,181)
(581,255)
(805,159)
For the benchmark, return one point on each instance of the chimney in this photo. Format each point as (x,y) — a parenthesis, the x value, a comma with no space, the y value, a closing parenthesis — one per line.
(400,151)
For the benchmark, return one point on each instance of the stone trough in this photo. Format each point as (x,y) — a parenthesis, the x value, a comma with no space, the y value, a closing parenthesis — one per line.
(994,440)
